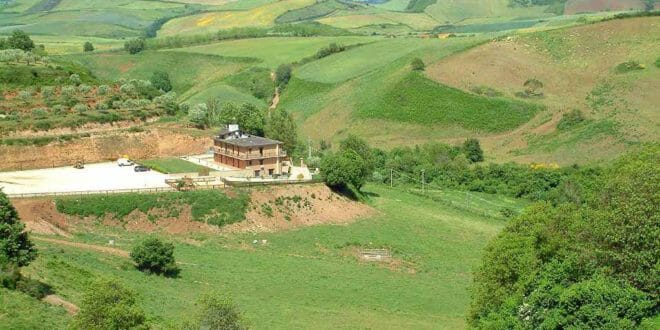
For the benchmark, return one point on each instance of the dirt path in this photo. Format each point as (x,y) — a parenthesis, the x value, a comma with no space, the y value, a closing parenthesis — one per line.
(98,248)
(56,300)
(276,99)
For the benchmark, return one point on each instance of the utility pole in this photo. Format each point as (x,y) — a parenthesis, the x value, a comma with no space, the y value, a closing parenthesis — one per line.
(423,191)
(391,178)
(309,147)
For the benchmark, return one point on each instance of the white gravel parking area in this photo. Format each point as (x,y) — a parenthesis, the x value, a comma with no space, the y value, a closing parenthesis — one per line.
(94,177)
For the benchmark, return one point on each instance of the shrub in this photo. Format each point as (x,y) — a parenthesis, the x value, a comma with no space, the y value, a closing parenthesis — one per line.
(10,275)
(472,150)
(47,92)
(533,87)
(20,40)
(283,75)
(88,47)
(629,66)
(108,305)
(486,91)
(135,46)
(39,113)
(417,64)
(570,119)
(161,80)
(103,90)
(68,91)
(154,256)
(216,311)
(84,89)
(657,62)
(75,79)
(80,108)
(24,96)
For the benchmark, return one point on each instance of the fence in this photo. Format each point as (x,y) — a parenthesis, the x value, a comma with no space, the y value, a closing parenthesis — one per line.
(268,182)
(91,192)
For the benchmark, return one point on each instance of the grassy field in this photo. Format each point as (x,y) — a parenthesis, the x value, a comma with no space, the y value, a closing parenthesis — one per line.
(171,165)
(210,22)
(189,72)
(274,51)
(417,99)
(309,276)
(20,311)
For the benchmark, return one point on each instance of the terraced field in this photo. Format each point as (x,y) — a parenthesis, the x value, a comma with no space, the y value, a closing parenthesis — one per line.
(272,52)
(210,22)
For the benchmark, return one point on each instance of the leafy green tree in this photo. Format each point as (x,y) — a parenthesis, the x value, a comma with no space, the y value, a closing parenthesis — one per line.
(217,312)
(417,64)
(109,305)
(472,150)
(283,75)
(161,80)
(281,126)
(20,40)
(361,148)
(154,256)
(135,46)
(88,47)
(198,116)
(344,169)
(15,246)
(250,118)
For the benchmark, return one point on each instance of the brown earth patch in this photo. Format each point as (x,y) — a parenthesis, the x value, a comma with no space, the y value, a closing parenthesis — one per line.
(56,300)
(298,206)
(156,142)
(41,216)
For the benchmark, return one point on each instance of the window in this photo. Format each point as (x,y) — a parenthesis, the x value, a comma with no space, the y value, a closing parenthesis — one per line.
(271,171)
(261,162)
(261,152)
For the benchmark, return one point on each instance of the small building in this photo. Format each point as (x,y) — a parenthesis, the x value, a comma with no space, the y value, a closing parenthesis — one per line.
(235,148)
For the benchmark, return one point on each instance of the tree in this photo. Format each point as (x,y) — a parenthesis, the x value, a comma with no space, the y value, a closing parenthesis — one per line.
(343,169)
(20,40)
(161,80)
(472,150)
(247,116)
(75,79)
(109,305)
(135,46)
(281,126)
(283,75)
(417,64)
(154,256)
(198,116)
(15,245)
(88,47)
(217,312)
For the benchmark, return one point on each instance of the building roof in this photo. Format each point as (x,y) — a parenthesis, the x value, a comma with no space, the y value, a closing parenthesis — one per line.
(251,141)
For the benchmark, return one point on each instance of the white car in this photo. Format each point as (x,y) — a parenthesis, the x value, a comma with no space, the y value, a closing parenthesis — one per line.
(125,162)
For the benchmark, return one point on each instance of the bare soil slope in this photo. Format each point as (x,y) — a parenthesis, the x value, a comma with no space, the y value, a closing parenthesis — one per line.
(291,207)
(578,69)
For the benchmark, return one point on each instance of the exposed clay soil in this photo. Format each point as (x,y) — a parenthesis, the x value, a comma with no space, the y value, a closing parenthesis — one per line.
(155,142)
(319,205)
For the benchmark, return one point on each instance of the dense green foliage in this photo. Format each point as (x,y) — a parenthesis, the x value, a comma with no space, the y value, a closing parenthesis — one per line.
(587,265)
(472,150)
(15,246)
(417,64)
(215,311)
(629,66)
(283,75)
(135,46)
(155,256)
(18,40)
(161,80)
(281,126)
(109,305)
(88,47)
(416,99)
(212,206)
(350,167)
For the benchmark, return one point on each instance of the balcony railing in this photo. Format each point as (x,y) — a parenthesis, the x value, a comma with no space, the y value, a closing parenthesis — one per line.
(249,156)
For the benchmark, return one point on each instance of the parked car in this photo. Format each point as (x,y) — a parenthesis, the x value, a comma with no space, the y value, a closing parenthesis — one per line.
(124,162)
(141,168)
